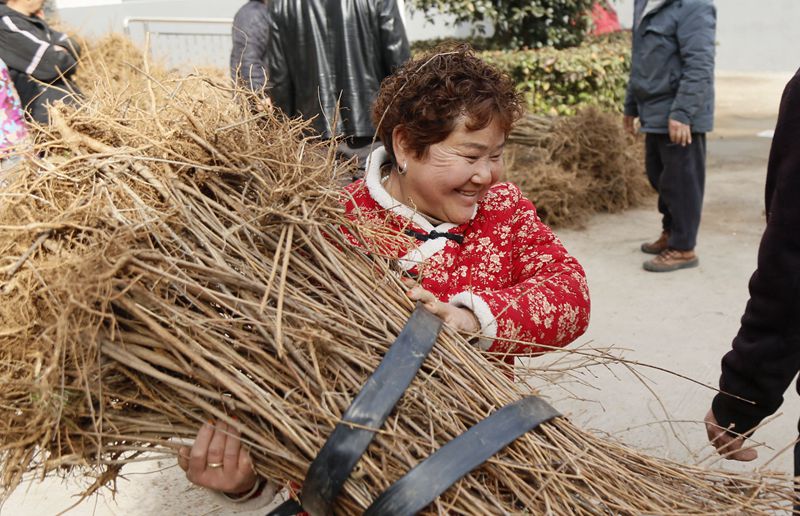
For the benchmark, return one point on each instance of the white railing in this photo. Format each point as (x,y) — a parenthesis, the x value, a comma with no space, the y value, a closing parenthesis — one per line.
(183,42)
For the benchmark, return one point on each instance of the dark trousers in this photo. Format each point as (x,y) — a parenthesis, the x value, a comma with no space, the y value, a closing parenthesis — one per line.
(679,175)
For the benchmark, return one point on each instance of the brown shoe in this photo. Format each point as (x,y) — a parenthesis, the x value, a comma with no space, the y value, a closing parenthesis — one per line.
(658,246)
(672,260)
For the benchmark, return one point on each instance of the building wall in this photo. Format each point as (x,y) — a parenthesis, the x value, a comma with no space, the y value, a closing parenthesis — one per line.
(752,35)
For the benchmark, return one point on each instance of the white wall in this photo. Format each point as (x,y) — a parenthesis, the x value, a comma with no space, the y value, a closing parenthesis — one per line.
(96,17)
(417,27)
(752,35)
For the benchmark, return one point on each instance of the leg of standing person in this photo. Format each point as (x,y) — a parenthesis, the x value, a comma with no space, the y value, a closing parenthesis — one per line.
(684,180)
(680,187)
(654,168)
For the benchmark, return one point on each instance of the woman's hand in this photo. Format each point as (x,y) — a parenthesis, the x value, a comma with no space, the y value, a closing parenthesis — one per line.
(461,319)
(218,461)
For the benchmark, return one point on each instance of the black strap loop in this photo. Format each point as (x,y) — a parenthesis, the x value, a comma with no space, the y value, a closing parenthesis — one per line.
(369,410)
(433,476)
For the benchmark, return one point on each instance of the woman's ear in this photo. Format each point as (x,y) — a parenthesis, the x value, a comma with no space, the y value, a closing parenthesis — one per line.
(400,143)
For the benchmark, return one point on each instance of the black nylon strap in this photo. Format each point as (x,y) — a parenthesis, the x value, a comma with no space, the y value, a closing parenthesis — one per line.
(433,476)
(369,410)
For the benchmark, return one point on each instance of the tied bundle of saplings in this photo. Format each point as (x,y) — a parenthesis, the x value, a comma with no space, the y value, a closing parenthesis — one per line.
(574,166)
(172,257)
(114,56)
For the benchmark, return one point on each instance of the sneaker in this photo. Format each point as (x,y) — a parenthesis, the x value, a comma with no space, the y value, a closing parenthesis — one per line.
(658,246)
(672,260)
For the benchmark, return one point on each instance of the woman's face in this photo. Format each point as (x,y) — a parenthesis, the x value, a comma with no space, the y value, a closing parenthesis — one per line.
(454,175)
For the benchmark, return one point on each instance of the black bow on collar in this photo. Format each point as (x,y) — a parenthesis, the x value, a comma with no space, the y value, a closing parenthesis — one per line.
(459,239)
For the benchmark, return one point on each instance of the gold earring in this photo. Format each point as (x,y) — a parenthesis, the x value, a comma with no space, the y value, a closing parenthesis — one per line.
(404,169)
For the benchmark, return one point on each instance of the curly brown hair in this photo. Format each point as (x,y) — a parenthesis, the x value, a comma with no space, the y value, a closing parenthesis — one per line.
(428,95)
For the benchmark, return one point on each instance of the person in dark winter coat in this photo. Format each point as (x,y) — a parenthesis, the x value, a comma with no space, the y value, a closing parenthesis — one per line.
(324,53)
(250,37)
(765,354)
(671,92)
(40,60)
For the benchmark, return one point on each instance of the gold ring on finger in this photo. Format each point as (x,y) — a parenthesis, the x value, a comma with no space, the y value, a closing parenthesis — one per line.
(214,465)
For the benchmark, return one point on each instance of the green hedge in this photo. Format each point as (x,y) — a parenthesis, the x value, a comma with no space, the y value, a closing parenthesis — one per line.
(520,23)
(558,82)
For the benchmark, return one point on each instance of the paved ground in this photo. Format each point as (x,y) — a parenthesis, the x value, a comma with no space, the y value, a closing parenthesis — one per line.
(682,321)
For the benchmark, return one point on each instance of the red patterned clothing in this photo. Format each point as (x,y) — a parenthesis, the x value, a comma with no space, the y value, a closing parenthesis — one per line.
(510,269)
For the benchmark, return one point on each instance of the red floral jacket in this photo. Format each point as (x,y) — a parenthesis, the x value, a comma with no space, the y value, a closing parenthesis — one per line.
(509,268)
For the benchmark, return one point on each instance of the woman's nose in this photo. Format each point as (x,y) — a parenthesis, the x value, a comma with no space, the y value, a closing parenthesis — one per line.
(482,173)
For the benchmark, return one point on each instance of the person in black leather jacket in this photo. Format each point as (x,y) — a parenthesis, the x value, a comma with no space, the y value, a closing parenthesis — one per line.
(250,38)
(321,54)
(40,60)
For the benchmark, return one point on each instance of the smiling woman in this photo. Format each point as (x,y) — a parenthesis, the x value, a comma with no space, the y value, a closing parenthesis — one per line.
(432,200)
(480,257)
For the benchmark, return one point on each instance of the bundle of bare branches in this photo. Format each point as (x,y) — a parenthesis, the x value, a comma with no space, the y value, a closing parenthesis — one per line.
(115,56)
(172,257)
(574,166)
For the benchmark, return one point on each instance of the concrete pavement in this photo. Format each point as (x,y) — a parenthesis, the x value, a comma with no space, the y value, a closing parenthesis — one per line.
(681,321)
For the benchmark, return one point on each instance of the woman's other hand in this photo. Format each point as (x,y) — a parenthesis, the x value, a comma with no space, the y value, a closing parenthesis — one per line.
(460,319)
(218,461)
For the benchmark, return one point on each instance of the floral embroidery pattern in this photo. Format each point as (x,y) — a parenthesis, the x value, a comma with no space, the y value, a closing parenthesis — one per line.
(511,270)
(13,130)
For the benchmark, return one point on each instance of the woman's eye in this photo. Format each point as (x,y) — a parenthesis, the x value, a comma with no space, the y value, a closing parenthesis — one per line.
(472,159)
(497,157)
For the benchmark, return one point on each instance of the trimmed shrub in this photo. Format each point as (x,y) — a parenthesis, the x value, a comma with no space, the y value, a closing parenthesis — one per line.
(559,82)
(521,23)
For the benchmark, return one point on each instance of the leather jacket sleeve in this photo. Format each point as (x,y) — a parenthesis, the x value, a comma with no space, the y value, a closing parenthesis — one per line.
(396,49)
(280,80)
